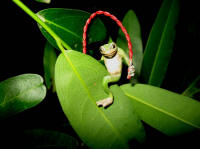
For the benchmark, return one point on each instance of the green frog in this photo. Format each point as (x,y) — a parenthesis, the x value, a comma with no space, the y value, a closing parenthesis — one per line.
(113,57)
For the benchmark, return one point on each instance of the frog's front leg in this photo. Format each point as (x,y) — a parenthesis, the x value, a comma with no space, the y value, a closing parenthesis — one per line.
(106,80)
(131,68)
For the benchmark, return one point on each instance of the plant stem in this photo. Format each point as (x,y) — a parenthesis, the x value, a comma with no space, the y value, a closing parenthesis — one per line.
(192,88)
(39,21)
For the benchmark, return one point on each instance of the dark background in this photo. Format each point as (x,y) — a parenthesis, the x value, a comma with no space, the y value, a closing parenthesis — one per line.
(23,44)
(22,47)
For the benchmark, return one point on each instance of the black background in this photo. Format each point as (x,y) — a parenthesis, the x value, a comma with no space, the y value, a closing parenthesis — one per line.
(23,44)
(22,47)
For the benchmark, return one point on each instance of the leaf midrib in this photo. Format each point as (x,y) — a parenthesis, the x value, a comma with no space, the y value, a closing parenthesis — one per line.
(161,110)
(93,101)
(159,46)
(63,28)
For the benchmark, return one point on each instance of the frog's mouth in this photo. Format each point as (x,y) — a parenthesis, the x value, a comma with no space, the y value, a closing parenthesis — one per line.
(110,55)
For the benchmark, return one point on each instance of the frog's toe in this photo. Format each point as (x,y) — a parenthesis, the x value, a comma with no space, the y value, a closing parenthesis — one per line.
(105,102)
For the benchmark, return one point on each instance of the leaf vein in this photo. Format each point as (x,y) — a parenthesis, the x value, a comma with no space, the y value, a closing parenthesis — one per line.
(63,28)
(9,100)
(159,47)
(163,111)
(92,99)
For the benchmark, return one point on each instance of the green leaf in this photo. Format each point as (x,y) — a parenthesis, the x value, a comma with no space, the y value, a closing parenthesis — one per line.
(37,139)
(169,112)
(160,44)
(44,1)
(132,26)
(193,88)
(20,93)
(49,61)
(68,25)
(79,85)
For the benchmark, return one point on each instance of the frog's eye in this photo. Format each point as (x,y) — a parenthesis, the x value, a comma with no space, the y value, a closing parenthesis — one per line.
(113,45)
(101,49)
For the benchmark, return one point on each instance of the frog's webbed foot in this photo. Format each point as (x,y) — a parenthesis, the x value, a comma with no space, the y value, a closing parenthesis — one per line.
(105,102)
(109,100)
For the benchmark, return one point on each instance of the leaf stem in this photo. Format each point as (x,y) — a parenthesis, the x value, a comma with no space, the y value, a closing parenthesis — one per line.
(39,21)
(192,88)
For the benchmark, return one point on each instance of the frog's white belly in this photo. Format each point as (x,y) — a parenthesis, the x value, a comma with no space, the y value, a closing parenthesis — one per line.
(114,65)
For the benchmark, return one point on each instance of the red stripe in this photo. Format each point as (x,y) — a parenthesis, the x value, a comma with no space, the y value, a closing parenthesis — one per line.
(118,23)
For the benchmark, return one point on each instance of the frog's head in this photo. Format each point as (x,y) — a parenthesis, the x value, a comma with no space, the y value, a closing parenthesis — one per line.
(108,50)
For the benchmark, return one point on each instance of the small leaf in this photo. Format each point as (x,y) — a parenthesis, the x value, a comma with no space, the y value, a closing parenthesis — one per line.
(44,1)
(160,44)
(20,93)
(68,25)
(49,61)
(79,85)
(170,113)
(132,26)
(193,89)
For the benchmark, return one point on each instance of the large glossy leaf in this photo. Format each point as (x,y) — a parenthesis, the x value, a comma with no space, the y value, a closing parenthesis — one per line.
(49,61)
(169,112)
(79,85)
(132,26)
(20,93)
(68,25)
(160,43)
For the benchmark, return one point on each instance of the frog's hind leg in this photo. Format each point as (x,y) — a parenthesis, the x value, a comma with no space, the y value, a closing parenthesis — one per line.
(109,100)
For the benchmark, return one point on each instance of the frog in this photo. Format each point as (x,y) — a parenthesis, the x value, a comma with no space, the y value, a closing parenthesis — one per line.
(113,57)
